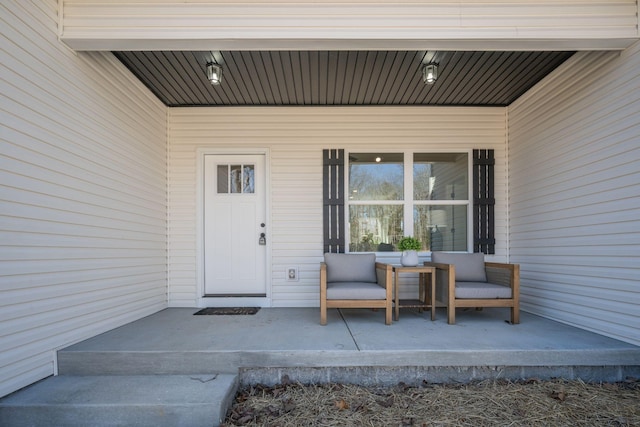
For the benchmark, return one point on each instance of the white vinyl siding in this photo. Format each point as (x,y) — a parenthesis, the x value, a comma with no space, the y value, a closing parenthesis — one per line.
(574,159)
(309,24)
(82,195)
(295,138)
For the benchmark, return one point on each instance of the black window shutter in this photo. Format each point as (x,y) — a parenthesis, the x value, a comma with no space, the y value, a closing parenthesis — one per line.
(483,202)
(333,200)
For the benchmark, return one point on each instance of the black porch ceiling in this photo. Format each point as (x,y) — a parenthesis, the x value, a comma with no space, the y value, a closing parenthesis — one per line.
(340,77)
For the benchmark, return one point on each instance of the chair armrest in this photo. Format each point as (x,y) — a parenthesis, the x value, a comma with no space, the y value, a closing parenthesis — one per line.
(323,278)
(444,272)
(438,266)
(445,276)
(383,266)
(503,274)
(387,270)
(386,279)
(500,265)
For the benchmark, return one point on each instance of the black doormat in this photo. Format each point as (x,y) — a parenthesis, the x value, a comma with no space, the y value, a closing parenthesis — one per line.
(227,310)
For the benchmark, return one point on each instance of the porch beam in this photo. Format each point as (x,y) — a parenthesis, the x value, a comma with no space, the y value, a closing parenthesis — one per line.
(348,24)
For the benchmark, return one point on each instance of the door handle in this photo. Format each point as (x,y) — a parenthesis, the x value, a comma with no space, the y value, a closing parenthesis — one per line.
(262,240)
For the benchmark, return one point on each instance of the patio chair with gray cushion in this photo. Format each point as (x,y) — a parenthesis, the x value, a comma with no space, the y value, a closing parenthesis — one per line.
(355,281)
(465,280)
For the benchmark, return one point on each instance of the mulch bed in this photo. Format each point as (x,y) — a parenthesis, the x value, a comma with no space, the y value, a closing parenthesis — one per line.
(487,403)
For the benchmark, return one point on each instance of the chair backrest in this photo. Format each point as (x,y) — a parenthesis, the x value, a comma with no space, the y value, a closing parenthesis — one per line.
(351,267)
(469,266)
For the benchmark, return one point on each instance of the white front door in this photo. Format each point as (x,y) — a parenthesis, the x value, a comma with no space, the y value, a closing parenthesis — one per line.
(235,230)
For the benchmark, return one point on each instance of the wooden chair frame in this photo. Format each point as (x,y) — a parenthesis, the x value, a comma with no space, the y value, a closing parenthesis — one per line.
(386,304)
(499,273)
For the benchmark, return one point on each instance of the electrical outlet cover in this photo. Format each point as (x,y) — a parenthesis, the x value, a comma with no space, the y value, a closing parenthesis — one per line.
(292,274)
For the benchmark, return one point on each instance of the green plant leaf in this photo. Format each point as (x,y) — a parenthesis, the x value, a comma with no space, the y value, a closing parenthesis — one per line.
(408,243)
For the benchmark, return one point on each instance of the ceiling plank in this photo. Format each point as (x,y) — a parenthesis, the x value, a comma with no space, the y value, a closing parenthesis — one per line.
(340,77)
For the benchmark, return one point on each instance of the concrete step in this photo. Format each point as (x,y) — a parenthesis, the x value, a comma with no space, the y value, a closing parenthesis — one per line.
(175,362)
(137,400)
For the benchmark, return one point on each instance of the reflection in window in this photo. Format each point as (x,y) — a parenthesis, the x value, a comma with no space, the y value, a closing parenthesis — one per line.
(434,208)
(376,176)
(440,176)
(247,180)
(223,179)
(236,179)
(374,227)
(441,227)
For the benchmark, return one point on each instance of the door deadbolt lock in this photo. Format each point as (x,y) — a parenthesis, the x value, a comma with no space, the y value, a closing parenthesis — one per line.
(262,240)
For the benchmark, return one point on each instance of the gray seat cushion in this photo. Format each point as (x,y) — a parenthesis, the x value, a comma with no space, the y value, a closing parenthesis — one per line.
(355,290)
(351,267)
(481,290)
(469,267)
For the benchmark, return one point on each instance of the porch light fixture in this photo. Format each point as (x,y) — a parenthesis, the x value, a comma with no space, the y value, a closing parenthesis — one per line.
(214,73)
(430,73)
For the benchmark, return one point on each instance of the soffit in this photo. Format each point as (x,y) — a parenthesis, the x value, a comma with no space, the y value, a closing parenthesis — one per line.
(299,78)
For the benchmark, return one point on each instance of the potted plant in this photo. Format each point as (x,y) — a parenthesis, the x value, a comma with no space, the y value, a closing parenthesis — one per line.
(409,246)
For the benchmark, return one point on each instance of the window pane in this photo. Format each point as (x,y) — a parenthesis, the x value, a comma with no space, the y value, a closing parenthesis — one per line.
(374,227)
(376,176)
(223,179)
(236,179)
(441,228)
(440,176)
(248,185)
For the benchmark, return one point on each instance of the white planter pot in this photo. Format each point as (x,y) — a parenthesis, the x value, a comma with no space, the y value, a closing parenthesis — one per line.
(409,258)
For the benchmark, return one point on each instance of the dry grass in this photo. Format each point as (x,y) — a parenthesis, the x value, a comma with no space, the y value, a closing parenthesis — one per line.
(487,403)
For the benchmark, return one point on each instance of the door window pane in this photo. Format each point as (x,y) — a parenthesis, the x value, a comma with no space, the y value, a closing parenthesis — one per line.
(440,176)
(441,228)
(248,184)
(374,227)
(236,179)
(376,176)
(223,179)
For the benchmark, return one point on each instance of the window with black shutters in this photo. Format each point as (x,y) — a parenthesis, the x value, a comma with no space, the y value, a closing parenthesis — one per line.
(373,199)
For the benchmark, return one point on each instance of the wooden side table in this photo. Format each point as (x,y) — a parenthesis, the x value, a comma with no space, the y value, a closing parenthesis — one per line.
(425,299)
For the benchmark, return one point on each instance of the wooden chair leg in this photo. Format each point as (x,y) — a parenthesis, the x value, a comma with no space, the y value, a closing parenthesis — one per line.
(323,314)
(515,315)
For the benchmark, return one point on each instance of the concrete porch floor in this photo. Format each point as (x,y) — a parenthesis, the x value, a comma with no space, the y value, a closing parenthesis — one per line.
(355,346)
(174,368)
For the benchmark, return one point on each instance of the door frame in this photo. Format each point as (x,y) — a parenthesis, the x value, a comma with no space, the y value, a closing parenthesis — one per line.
(203,301)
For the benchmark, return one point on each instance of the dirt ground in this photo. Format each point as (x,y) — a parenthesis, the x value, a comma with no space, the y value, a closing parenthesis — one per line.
(488,403)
